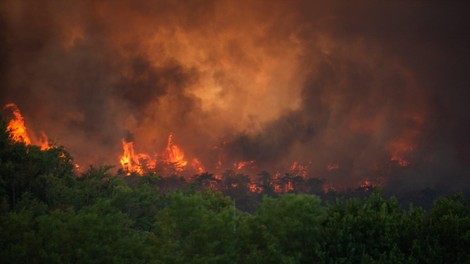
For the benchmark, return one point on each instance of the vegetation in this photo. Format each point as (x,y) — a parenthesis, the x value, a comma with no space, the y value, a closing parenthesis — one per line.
(50,215)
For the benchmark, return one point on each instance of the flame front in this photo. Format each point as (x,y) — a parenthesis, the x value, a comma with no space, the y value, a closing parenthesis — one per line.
(141,163)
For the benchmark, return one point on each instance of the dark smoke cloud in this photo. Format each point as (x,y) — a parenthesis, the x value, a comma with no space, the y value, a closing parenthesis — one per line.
(350,83)
(145,83)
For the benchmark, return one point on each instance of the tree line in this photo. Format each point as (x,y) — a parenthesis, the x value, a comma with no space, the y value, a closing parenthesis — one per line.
(49,214)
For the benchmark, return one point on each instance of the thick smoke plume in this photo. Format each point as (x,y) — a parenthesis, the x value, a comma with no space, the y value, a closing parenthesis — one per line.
(373,89)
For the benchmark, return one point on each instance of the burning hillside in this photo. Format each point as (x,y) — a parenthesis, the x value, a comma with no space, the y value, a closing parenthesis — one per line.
(352,93)
(16,127)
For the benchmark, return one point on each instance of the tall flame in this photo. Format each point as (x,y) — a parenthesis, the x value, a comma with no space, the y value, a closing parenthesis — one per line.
(16,125)
(142,163)
(175,155)
(129,162)
(18,131)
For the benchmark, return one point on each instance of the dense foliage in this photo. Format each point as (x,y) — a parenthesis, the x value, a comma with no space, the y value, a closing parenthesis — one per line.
(48,214)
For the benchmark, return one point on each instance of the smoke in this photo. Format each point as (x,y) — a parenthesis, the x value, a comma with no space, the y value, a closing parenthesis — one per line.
(364,84)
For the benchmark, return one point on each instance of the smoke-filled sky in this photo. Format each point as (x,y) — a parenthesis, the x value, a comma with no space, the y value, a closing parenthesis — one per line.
(350,83)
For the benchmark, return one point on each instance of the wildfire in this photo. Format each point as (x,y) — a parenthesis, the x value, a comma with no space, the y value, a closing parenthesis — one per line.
(242,164)
(129,161)
(135,163)
(366,184)
(16,125)
(332,167)
(289,186)
(299,169)
(197,166)
(175,155)
(141,163)
(171,160)
(401,147)
(255,188)
(44,142)
(18,130)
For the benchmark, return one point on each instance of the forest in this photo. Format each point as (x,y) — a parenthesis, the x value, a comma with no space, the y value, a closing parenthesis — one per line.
(50,213)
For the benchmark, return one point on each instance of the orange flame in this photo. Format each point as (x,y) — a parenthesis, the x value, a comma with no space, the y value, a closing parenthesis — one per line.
(255,188)
(289,187)
(197,166)
(242,164)
(18,131)
(44,142)
(129,162)
(16,125)
(399,149)
(141,163)
(366,184)
(298,169)
(147,161)
(174,155)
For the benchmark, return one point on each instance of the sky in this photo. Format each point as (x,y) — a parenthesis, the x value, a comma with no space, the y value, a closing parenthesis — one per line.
(377,89)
